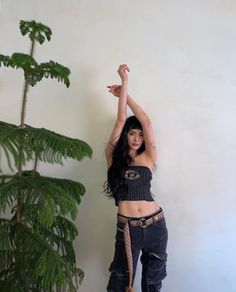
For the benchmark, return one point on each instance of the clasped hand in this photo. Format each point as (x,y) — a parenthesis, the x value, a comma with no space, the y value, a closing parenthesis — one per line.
(122,71)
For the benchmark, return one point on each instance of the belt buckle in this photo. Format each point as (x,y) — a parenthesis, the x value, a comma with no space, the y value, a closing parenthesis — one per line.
(142,223)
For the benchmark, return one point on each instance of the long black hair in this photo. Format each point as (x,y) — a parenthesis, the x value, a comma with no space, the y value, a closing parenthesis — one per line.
(121,158)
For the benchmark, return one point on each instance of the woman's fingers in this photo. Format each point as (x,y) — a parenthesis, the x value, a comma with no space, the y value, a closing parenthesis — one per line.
(127,68)
(113,86)
(114,89)
(122,71)
(123,68)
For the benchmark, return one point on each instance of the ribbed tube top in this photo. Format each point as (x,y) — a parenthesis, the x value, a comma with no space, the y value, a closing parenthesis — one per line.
(137,185)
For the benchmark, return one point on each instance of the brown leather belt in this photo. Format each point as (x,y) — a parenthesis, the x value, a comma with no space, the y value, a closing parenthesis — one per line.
(142,222)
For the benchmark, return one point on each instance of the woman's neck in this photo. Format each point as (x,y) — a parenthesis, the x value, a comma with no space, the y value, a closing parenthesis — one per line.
(133,153)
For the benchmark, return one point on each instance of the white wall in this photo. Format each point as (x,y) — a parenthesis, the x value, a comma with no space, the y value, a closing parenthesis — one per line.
(182,59)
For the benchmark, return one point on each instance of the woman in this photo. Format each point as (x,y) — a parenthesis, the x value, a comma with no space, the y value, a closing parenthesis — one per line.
(131,155)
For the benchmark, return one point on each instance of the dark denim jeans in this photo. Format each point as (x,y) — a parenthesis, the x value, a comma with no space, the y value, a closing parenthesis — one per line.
(152,242)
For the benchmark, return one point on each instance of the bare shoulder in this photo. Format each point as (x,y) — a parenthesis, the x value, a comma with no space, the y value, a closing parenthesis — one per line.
(144,160)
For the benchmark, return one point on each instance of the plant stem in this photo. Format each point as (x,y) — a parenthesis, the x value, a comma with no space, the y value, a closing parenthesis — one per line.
(35,162)
(18,207)
(24,103)
(26,89)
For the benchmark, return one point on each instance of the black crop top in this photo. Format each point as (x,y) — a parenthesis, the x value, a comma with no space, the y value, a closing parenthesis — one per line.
(137,185)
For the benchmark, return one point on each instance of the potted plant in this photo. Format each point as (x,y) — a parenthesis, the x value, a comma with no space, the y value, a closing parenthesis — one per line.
(36,240)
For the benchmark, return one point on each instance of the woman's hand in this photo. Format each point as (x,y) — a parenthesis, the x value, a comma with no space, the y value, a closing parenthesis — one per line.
(122,71)
(115,89)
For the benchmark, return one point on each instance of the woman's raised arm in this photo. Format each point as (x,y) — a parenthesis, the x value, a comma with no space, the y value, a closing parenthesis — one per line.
(121,113)
(145,121)
(150,146)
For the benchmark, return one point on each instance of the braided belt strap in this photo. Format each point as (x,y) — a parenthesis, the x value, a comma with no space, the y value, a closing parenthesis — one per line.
(128,250)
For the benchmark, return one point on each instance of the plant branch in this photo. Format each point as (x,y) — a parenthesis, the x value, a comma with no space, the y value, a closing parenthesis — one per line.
(26,89)
(35,162)
(18,207)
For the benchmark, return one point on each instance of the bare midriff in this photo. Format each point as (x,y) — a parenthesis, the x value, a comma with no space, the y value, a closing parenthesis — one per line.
(137,208)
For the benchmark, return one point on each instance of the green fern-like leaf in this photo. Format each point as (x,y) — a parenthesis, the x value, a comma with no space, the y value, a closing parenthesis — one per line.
(24,61)
(52,147)
(65,228)
(49,146)
(36,30)
(42,255)
(5,60)
(11,284)
(34,72)
(59,243)
(54,70)
(13,142)
(6,253)
(50,196)
(61,273)
(32,260)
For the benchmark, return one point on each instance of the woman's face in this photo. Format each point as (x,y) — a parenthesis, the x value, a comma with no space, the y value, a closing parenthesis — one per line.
(135,138)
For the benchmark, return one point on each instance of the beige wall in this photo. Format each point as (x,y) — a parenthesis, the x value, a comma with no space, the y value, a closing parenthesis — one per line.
(182,59)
